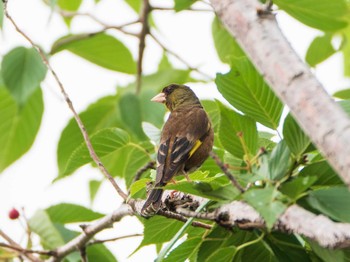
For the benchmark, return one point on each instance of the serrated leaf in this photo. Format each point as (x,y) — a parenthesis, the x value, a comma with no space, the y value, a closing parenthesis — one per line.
(225,45)
(319,50)
(138,186)
(325,174)
(102,114)
(131,114)
(232,125)
(279,161)
(41,224)
(101,49)
(333,202)
(185,250)
(225,254)
(321,14)
(297,186)
(22,71)
(266,202)
(159,229)
(100,253)
(245,89)
(70,213)
(104,142)
(295,137)
(18,126)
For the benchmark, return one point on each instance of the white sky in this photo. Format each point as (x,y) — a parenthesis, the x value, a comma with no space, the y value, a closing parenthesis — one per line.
(27,183)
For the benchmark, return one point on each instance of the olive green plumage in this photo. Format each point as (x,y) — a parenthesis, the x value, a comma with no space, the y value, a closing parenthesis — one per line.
(186,140)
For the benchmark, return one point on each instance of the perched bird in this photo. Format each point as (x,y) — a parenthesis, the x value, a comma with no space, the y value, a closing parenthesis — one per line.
(186,140)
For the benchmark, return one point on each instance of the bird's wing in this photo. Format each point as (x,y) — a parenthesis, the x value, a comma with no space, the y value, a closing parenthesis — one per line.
(181,137)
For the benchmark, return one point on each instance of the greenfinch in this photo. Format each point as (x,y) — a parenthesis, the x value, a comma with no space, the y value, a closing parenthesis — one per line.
(186,140)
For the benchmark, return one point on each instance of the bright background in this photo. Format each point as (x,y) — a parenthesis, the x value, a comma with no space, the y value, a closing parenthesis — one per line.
(28,182)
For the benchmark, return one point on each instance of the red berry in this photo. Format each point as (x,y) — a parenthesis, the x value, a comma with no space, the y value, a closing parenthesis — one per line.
(13,214)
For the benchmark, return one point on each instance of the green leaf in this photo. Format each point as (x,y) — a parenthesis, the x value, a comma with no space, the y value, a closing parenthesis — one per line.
(326,254)
(225,45)
(245,89)
(321,14)
(183,4)
(287,248)
(346,50)
(212,110)
(135,5)
(279,161)
(295,137)
(185,250)
(297,186)
(266,202)
(131,114)
(68,5)
(41,224)
(94,186)
(319,50)
(159,229)
(22,71)
(342,94)
(102,114)
(100,253)
(104,142)
(152,132)
(101,49)
(18,127)
(225,254)
(326,176)
(232,125)
(333,202)
(70,213)
(138,186)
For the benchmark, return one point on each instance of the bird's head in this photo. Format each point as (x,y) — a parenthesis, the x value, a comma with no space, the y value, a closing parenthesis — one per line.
(175,96)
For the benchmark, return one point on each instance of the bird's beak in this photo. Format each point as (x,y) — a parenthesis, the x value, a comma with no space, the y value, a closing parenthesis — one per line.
(160,98)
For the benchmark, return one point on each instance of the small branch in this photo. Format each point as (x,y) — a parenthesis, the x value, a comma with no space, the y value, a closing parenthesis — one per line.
(226,172)
(90,230)
(181,218)
(146,9)
(83,255)
(179,57)
(101,241)
(28,251)
(150,165)
(15,246)
(82,128)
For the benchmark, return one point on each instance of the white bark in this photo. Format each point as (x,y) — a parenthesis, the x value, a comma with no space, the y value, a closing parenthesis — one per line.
(321,118)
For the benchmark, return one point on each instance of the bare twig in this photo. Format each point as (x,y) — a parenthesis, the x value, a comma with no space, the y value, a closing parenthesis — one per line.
(15,246)
(150,165)
(226,172)
(28,251)
(101,241)
(83,255)
(142,38)
(181,218)
(82,128)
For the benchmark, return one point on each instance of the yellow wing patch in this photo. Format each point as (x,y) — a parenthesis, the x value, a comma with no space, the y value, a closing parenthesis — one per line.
(195,147)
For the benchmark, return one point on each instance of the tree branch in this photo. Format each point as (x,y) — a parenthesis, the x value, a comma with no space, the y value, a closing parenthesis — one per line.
(89,231)
(80,123)
(321,118)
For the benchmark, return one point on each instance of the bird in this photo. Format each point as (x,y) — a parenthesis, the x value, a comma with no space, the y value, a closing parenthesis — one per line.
(186,141)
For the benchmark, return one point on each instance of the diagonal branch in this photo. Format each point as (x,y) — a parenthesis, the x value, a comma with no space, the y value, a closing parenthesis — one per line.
(146,9)
(321,118)
(80,123)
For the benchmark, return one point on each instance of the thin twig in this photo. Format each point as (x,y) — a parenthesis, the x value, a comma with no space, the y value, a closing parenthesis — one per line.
(159,8)
(179,57)
(226,172)
(101,241)
(82,128)
(181,218)
(28,251)
(83,255)
(150,165)
(17,247)
(142,39)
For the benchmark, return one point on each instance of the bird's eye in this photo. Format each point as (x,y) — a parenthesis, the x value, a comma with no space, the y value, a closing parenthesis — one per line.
(169,89)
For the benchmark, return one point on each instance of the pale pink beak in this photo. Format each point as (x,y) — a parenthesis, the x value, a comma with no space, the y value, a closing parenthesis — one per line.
(160,98)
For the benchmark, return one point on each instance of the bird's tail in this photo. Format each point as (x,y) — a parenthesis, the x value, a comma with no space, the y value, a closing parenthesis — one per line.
(153,202)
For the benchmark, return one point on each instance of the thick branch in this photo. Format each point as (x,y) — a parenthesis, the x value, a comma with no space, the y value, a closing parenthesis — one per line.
(321,118)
